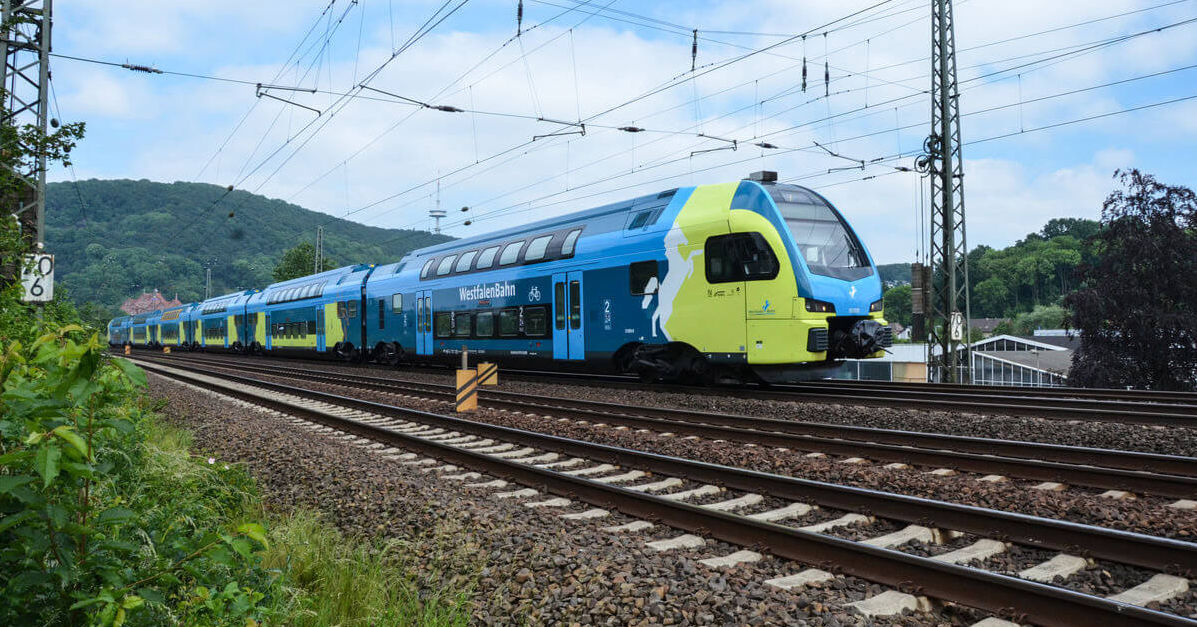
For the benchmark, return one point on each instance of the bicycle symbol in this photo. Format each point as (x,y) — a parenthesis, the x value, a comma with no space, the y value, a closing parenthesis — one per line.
(534,293)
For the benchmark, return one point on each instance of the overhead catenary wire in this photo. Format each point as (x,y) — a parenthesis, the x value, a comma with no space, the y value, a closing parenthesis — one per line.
(911,126)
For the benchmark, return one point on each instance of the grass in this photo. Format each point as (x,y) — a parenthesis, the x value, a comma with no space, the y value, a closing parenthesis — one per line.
(335,580)
(315,574)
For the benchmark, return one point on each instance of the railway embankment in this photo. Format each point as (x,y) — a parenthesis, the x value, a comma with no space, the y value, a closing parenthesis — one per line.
(514,562)
(510,482)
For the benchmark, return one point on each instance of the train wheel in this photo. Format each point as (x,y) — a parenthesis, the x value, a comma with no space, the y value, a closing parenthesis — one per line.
(391,354)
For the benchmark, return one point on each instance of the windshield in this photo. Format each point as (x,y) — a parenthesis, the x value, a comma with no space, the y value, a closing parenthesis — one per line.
(823,240)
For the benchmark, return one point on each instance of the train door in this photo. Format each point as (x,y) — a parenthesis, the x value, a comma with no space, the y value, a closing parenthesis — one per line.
(269,333)
(569,337)
(577,322)
(320,329)
(424,322)
(560,316)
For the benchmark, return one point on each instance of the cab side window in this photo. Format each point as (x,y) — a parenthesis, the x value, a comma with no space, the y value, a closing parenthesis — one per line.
(739,257)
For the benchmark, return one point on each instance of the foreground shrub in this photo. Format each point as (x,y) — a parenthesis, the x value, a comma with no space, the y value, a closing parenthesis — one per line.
(98,526)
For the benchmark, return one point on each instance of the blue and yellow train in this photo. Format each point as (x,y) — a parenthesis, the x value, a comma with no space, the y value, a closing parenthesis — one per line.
(752,280)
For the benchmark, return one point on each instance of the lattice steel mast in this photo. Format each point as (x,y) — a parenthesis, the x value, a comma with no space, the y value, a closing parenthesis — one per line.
(26,37)
(948,323)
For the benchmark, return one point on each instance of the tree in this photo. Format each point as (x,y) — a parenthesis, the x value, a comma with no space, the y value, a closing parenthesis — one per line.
(299,261)
(990,298)
(1078,228)
(1137,307)
(897,305)
(1041,317)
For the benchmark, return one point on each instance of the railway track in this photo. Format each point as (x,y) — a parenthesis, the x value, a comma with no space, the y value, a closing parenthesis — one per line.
(595,474)
(1136,407)
(1135,472)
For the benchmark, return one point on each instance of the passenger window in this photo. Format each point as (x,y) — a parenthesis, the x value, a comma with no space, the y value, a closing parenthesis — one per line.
(575,305)
(536,321)
(536,248)
(640,220)
(351,309)
(484,324)
(463,264)
(396,303)
(510,253)
(509,322)
(643,277)
(341,310)
(427,268)
(461,324)
(559,305)
(446,265)
(487,258)
(444,324)
(382,310)
(567,247)
(311,327)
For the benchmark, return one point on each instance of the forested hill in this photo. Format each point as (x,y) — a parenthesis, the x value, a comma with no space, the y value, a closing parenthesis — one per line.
(117,238)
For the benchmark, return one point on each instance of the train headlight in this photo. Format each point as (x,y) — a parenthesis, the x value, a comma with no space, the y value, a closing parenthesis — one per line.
(818,306)
(876,306)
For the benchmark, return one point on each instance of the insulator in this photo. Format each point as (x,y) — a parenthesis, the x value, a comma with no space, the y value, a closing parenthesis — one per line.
(826,79)
(630,129)
(694,51)
(804,64)
(519,17)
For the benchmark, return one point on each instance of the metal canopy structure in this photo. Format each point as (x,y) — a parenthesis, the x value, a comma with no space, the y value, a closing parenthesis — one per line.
(26,36)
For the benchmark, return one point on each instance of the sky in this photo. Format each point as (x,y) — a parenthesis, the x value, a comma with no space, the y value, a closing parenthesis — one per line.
(354,140)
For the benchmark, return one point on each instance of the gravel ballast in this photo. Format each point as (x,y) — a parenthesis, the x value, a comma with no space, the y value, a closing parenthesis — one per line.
(525,565)
(1145,514)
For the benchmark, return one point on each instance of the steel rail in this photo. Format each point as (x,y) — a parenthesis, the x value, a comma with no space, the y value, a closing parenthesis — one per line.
(1028,601)
(1137,396)
(921,396)
(1035,461)
(1156,553)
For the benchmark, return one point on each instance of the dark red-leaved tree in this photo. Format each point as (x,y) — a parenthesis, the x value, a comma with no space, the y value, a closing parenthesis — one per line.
(1137,308)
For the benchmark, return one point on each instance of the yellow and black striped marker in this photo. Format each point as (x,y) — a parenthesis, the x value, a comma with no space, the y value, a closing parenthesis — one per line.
(467,390)
(488,374)
(166,349)
(128,349)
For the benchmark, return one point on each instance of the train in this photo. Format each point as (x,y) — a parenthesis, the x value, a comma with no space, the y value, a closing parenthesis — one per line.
(752,280)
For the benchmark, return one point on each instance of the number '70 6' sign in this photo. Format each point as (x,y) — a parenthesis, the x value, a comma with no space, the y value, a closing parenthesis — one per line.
(37,277)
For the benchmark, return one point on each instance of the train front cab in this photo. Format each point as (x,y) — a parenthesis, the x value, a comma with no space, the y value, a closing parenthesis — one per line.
(818,299)
(118,331)
(762,281)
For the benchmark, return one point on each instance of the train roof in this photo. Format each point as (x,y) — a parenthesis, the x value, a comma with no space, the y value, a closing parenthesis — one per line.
(591,218)
(327,275)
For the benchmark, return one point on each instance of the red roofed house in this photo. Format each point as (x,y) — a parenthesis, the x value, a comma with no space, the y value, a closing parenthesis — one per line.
(148,302)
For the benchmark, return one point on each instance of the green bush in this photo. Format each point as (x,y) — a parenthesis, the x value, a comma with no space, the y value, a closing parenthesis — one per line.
(97,523)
